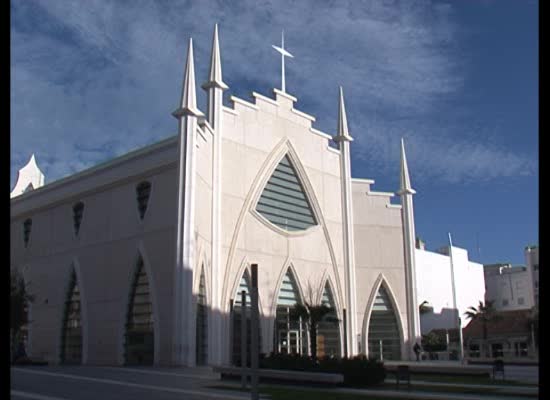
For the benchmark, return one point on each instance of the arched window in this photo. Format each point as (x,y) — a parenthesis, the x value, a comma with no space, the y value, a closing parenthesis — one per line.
(383,328)
(71,337)
(328,330)
(78,212)
(244,284)
(284,202)
(27,226)
(140,343)
(143,191)
(290,335)
(201,345)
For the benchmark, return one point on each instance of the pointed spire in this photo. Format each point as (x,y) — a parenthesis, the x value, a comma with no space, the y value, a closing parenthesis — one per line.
(215,76)
(343,133)
(406,187)
(188,104)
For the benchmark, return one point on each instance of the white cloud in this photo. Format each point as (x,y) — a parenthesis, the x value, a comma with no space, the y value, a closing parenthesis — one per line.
(94,79)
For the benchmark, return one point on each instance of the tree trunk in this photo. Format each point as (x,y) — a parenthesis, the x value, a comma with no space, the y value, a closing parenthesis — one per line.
(313,340)
(485,344)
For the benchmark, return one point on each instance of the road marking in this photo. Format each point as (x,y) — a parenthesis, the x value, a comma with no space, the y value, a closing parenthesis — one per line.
(145,371)
(204,393)
(35,396)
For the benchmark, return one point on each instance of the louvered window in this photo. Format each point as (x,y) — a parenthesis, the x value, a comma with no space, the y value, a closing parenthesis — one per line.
(71,346)
(328,330)
(78,212)
(284,202)
(27,226)
(237,317)
(383,329)
(143,191)
(201,344)
(139,345)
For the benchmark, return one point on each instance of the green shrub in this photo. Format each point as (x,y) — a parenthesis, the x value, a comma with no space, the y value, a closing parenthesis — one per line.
(357,371)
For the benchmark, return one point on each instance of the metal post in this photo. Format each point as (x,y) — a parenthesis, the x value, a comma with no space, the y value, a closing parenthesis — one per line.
(231,322)
(254,395)
(458,321)
(244,333)
(381,351)
(344,320)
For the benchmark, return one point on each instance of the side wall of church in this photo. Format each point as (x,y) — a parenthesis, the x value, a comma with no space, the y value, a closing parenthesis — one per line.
(104,254)
(379,255)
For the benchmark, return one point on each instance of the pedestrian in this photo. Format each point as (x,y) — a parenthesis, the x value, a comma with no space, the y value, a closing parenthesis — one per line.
(417,349)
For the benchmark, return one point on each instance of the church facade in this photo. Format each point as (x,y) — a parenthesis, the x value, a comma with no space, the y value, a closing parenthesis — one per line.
(143,259)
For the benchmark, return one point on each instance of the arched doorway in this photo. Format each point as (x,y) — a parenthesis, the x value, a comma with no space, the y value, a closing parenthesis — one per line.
(71,337)
(384,339)
(290,332)
(328,330)
(201,329)
(139,343)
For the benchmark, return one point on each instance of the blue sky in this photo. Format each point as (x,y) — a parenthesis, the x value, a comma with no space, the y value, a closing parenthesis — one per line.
(91,80)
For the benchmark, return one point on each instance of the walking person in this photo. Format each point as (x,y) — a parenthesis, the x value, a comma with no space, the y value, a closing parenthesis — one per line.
(416,350)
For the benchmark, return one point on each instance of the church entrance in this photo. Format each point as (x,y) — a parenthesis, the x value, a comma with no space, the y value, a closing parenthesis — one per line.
(291,333)
(289,342)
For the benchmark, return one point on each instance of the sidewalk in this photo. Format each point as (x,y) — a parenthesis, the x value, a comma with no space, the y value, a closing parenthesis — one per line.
(421,395)
(516,389)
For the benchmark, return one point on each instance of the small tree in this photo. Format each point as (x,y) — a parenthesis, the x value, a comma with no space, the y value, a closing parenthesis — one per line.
(485,313)
(313,312)
(19,301)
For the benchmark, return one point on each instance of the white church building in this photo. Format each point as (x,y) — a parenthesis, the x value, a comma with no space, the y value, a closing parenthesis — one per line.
(141,260)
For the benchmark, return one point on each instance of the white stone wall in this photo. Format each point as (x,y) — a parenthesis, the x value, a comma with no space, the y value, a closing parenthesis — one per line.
(433,279)
(379,255)
(255,138)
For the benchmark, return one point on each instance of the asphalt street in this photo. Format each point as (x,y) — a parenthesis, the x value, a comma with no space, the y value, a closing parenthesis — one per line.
(115,383)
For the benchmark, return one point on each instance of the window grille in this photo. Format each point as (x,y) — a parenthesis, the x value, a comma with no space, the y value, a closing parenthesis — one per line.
(27,226)
(283,201)
(71,346)
(78,212)
(383,329)
(139,344)
(143,191)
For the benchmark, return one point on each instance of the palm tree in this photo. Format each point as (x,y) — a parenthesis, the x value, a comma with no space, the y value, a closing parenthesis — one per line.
(313,313)
(485,313)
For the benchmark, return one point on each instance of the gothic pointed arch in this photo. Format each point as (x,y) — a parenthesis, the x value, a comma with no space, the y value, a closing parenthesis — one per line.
(283,201)
(283,148)
(238,313)
(71,335)
(383,329)
(290,332)
(328,330)
(139,343)
(201,326)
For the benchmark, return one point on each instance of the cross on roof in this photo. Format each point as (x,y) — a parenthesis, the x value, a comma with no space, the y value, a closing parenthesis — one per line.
(283,54)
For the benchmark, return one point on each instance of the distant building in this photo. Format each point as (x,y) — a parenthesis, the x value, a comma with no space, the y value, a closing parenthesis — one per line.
(434,285)
(509,336)
(509,287)
(532,263)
